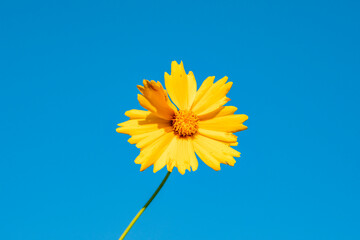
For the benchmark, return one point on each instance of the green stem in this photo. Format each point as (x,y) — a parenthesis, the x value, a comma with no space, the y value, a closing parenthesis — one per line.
(144,207)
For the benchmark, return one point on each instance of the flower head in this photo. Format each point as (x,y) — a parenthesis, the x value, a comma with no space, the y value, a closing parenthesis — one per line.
(170,135)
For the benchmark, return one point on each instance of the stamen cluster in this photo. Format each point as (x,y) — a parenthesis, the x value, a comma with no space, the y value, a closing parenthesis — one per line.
(185,123)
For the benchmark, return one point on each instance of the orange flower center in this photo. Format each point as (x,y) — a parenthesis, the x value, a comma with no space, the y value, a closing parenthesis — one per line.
(185,123)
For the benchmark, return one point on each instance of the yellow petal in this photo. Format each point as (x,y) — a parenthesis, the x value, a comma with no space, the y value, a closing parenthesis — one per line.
(152,152)
(179,156)
(213,107)
(217,146)
(193,161)
(183,155)
(149,119)
(139,126)
(140,129)
(204,155)
(180,86)
(218,100)
(138,137)
(155,99)
(171,164)
(137,114)
(219,151)
(230,123)
(213,98)
(220,136)
(150,138)
(165,156)
(219,112)
(208,82)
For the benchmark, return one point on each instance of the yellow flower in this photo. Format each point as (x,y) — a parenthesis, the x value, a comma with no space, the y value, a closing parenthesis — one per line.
(167,135)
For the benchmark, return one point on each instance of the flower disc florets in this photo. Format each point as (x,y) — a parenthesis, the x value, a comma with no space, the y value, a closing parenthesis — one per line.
(185,123)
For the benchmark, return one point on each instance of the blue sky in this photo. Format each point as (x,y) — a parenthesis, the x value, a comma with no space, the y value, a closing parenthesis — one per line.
(69,71)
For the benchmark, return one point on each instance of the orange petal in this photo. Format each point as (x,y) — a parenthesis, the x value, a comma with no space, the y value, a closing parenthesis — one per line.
(155,99)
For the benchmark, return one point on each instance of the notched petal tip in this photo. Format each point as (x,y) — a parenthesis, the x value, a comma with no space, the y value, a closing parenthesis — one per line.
(194,168)
(217,168)
(141,88)
(231,163)
(169,168)
(155,170)
(221,81)
(177,66)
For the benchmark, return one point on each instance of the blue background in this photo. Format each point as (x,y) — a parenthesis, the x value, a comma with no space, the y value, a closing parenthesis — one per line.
(69,70)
